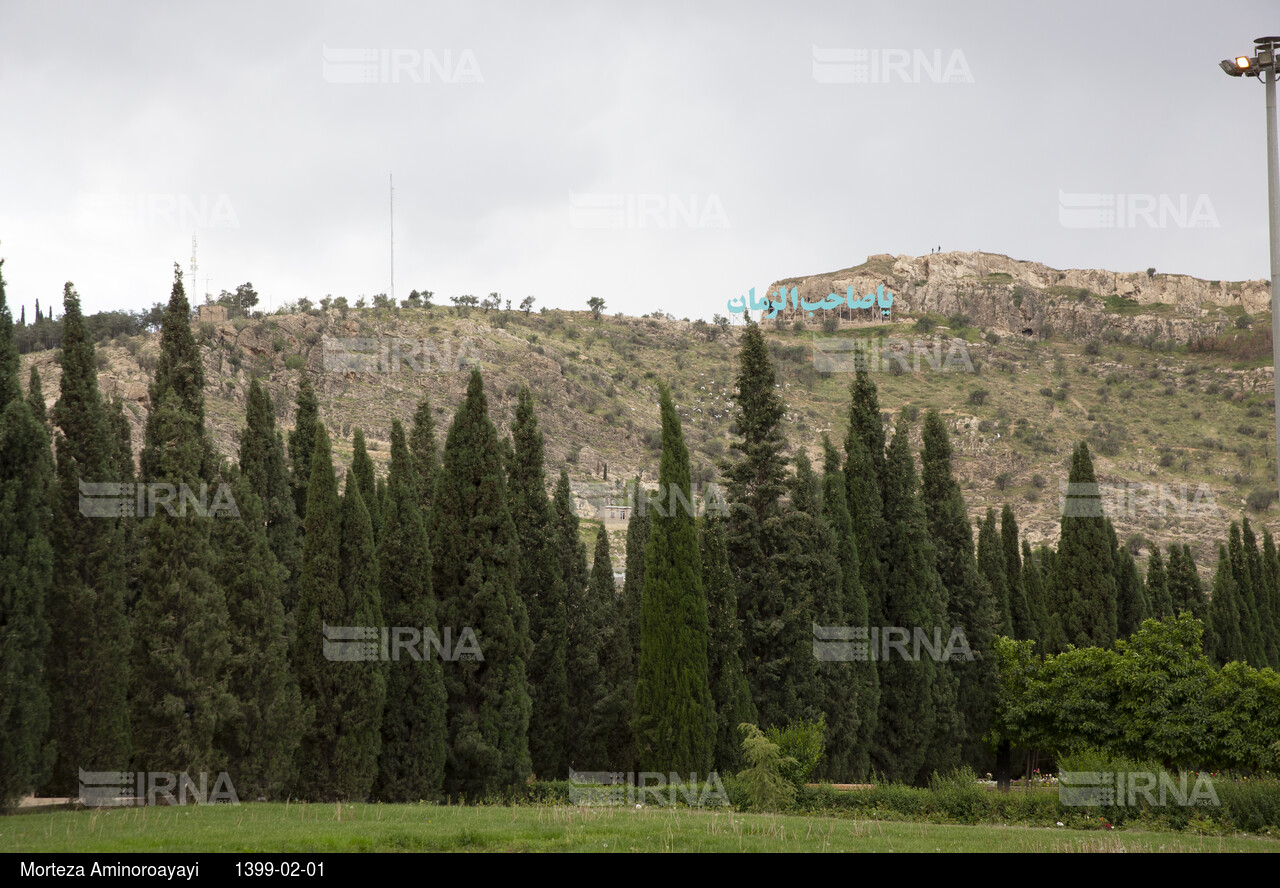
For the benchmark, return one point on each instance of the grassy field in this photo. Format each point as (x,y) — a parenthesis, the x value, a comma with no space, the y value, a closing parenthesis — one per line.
(325,828)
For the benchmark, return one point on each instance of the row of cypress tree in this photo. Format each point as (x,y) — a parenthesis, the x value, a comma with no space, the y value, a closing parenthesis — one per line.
(175,643)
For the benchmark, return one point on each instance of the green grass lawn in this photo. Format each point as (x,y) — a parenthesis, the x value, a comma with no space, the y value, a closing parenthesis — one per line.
(321,828)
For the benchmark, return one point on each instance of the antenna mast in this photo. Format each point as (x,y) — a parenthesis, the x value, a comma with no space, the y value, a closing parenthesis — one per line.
(392,201)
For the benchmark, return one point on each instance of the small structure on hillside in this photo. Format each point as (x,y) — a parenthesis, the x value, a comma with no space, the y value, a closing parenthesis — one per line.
(215,314)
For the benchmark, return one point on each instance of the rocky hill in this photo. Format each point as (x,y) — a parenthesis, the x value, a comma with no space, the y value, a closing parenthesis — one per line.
(1015,297)
(1115,369)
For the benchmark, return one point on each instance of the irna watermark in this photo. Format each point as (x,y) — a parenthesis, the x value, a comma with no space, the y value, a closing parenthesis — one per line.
(400,66)
(607,788)
(843,644)
(106,789)
(878,355)
(890,66)
(1096,210)
(354,644)
(129,500)
(388,355)
(1085,788)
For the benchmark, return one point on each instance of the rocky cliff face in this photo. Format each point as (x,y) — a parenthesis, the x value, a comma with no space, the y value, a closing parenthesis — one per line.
(1011,296)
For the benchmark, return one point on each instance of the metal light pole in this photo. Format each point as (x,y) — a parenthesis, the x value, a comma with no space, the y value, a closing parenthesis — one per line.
(1263,66)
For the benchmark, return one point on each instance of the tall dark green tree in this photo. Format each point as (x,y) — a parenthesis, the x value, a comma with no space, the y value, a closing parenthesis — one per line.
(1131,600)
(35,397)
(180,690)
(475,566)
(860,675)
(972,602)
(589,660)
(1242,575)
(623,665)
(674,713)
(584,632)
(321,604)
(1227,642)
(869,530)
(1084,577)
(302,440)
(813,587)
(756,482)
(426,459)
(359,740)
(414,732)
(362,467)
(263,464)
(88,667)
(260,735)
(991,563)
(26,571)
(542,588)
(1260,604)
(1158,586)
(1271,583)
(866,423)
(729,690)
(1033,585)
(1024,622)
(10,367)
(1185,589)
(918,719)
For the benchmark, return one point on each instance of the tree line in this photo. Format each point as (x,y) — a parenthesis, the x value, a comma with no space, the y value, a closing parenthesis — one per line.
(179,643)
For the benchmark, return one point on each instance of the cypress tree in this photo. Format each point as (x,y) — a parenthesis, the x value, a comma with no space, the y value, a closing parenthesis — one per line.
(1033,584)
(1185,589)
(26,569)
(756,482)
(1024,623)
(992,565)
(813,584)
(1131,602)
(1261,598)
(302,440)
(807,593)
(1242,576)
(422,451)
(624,644)
(475,567)
(674,713)
(414,733)
(10,365)
(589,662)
(730,693)
(584,631)
(260,737)
(972,603)
(914,599)
(1270,579)
(542,589)
(262,462)
(865,422)
(321,604)
(863,681)
(1158,586)
(180,695)
(363,692)
(869,530)
(1227,644)
(35,398)
(88,666)
(1084,568)
(362,468)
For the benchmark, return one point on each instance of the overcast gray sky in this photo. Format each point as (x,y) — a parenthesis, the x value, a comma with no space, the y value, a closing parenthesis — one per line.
(661,155)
